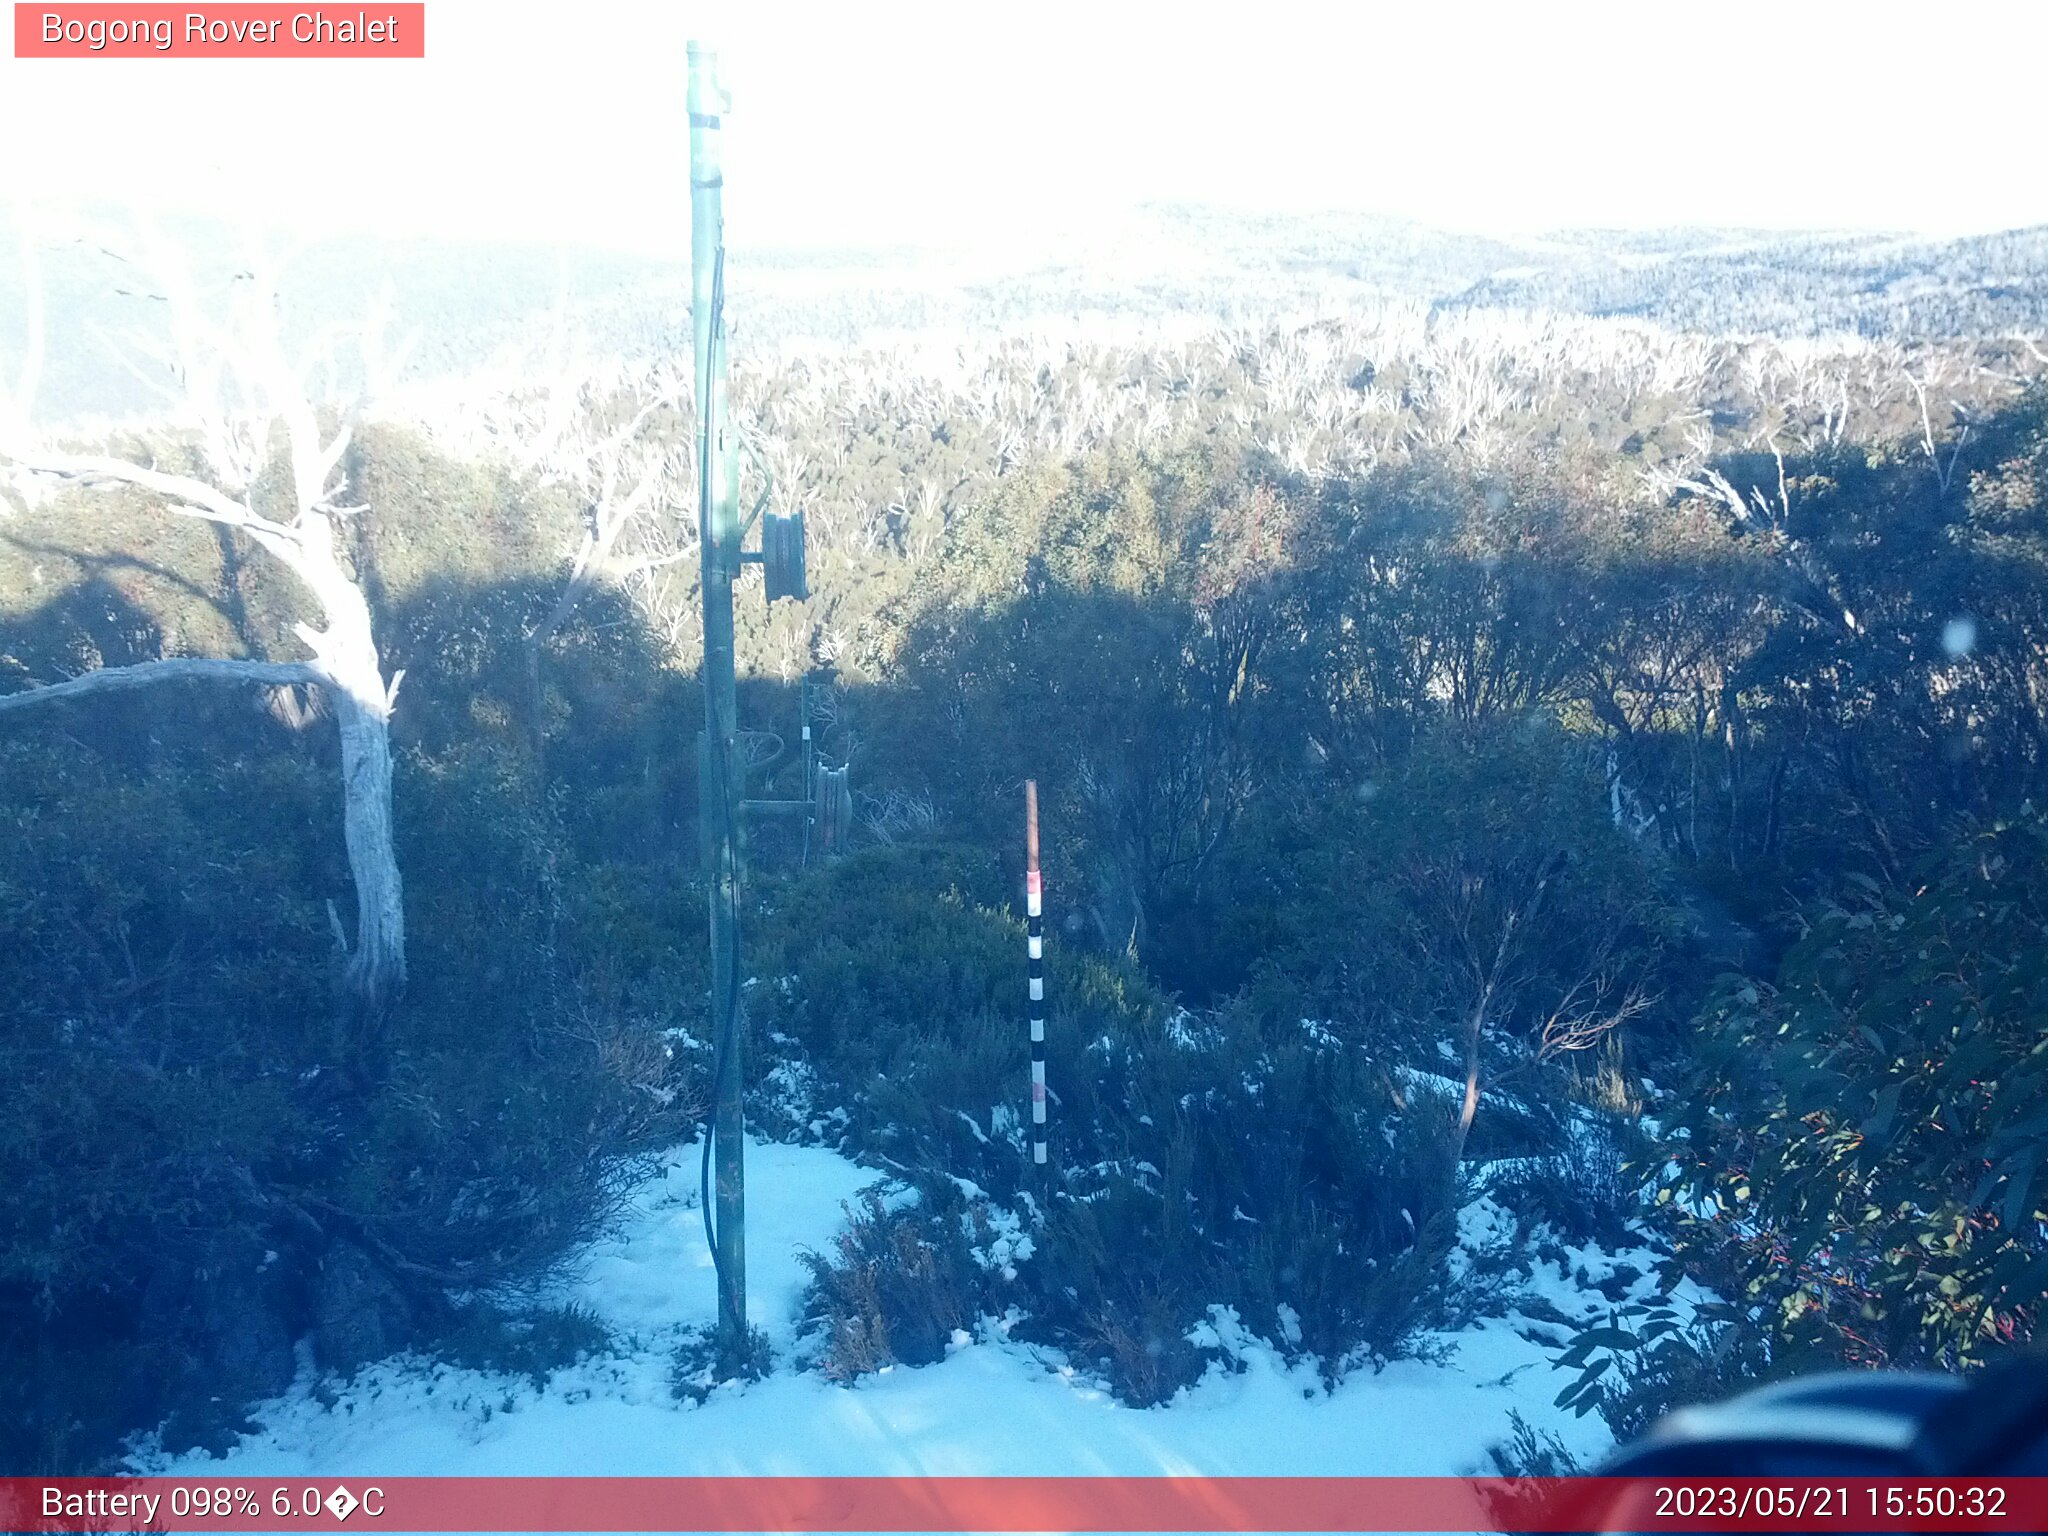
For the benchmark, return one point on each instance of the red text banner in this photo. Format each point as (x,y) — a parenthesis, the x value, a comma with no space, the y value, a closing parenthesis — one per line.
(225,31)
(1090,1504)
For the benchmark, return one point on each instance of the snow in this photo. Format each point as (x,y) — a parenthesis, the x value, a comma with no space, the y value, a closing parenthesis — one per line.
(993,1406)
(653,1281)
(1418,1080)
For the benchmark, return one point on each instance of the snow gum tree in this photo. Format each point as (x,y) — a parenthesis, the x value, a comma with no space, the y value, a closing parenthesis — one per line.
(247,419)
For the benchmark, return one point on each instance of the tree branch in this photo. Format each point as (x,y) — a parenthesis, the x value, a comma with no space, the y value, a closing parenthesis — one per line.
(172,670)
(197,497)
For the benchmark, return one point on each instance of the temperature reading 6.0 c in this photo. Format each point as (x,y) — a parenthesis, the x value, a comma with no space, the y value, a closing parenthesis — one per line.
(304,1502)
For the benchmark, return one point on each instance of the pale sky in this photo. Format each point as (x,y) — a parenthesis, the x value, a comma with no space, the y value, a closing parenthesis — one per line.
(861,123)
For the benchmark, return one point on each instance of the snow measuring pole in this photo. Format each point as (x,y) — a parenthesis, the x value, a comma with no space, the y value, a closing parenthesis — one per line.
(718,748)
(1034,949)
(720,770)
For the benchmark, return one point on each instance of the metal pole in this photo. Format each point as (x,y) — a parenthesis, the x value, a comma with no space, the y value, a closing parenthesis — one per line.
(1034,944)
(810,789)
(717,758)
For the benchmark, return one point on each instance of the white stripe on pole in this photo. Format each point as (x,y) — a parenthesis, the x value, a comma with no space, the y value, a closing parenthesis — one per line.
(1033,889)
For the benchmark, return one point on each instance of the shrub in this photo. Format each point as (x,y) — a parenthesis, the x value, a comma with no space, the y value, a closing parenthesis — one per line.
(896,979)
(896,1286)
(1143,1346)
(1587,1193)
(1119,1279)
(1238,1157)
(171,1108)
(1244,1158)
(532,1344)
(1862,1139)
(702,1364)
(1528,1452)
(163,982)
(1532,1452)
(1643,1362)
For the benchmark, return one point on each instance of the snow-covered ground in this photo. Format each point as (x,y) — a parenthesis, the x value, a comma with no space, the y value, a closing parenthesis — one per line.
(994,1406)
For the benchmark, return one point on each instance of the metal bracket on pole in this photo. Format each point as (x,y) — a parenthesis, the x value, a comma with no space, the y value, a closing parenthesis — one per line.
(781,555)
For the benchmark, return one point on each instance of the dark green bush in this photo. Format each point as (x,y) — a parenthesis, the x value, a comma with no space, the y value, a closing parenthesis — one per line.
(1532,1452)
(163,990)
(1238,1157)
(170,1106)
(1589,1192)
(1251,1162)
(897,978)
(1644,1360)
(703,1363)
(509,1342)
(1862,1140)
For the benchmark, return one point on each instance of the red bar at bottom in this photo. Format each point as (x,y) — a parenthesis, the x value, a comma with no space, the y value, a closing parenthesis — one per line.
(1092,1504)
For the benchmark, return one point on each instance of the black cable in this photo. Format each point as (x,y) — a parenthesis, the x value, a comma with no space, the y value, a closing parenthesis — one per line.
(704,534)
(728,1024)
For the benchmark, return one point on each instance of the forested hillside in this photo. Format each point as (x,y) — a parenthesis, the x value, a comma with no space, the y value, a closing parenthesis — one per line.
(1484,750)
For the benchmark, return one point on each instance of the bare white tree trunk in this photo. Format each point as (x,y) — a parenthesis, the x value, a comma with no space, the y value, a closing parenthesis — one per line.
(347,653)
(1468,1107)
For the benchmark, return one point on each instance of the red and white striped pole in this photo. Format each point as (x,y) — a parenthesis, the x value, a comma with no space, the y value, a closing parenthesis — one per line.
(1034,893)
